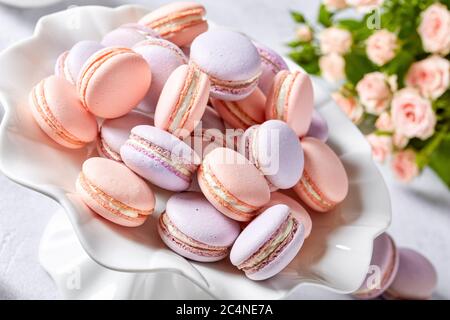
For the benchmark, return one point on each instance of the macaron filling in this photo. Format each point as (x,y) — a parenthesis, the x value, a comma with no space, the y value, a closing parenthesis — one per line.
(272,248)
(224,197)
(178,166)
(109,203)
(41,105)
(313,192)
(188,243)
(107,151)
(186,100)
(268,60)
(283,96)
(178,21)
(239,114)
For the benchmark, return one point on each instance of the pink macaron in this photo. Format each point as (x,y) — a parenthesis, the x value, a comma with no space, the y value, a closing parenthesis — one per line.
(182,101)
(297,209)
(268,244)
(178,22)
(160,157)
(163,58)
(384,265)
(115,132)
(324,183)
(291,99)
(232,184)
(128,35)
(194,229)
(58,111)
(115,192)
(113,81)
(243,113)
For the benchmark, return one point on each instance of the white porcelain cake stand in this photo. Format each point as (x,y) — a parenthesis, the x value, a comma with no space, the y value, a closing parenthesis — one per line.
(91,258)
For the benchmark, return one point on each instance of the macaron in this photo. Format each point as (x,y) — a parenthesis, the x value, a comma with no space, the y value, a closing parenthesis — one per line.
(128,35)
(274,148)
(271,64)
(182,101)
(115,132)
(232,184)
(291,99)
(160,157)
(243,113)
(114,192)
(163,57)
(416,278)
(58,111)
(231,61)
(268,244)
(382,270)
(178,22)
(113,81)
(324,183)
(70,63)
(194,229)
(296,208)
(209,133)
(318,128)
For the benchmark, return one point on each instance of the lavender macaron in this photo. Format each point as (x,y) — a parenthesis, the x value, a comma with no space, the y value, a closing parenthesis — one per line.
(268,244)
(128,35)
(231,61)
(416,278)
(318,128)
(70,63)
(163,58)
(274,148)
(115,132)
(271,64)
(194,229)
(160,157)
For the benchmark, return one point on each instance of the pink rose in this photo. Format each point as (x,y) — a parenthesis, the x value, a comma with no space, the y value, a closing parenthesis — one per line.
(384,122)
(374,92)
(381,146)
(434,29)
(404,165)
(430,76)
(332,67)
(349,105)
(399,141)
(304,33)
(412,114)
(365,5)
(335,40)
(333,5)
(381,47)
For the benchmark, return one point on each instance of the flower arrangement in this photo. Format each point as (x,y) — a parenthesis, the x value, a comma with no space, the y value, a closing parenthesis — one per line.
(392,66)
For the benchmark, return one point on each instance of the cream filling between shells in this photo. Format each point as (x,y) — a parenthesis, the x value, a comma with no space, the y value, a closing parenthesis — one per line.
(309,188)
(283,95)
(177,23)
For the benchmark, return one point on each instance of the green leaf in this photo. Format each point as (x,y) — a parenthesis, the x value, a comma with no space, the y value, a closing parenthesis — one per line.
(294,43)
(325,16)
(356,66)
(297,16)
(439,160)
(350,24)
(399,66)
(306,56)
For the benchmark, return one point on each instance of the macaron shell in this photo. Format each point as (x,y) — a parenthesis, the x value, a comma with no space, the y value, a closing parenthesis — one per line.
(326,171)
(253,106)
(237,176)
(127,35)
(79,54)
(194,216)
(117,85)
(384,256)
(416,277)
(119,182)
(59,65)
(62,100)
(296,208)
(300,104)
(163,58)
(318,128)
(172,94)
(185,36)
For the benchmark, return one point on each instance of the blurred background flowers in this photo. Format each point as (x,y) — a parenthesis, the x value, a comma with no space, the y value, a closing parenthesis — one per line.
(389,63)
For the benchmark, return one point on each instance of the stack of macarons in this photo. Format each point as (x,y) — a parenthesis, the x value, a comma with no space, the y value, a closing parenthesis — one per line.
(172,104)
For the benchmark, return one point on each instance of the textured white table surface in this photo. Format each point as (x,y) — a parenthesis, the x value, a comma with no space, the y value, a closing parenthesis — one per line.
(421,211)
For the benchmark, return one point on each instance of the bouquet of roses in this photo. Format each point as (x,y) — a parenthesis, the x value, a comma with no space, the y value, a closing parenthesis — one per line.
(392,66)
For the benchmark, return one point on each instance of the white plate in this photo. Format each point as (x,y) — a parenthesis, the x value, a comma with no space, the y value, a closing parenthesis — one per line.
(336,255)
